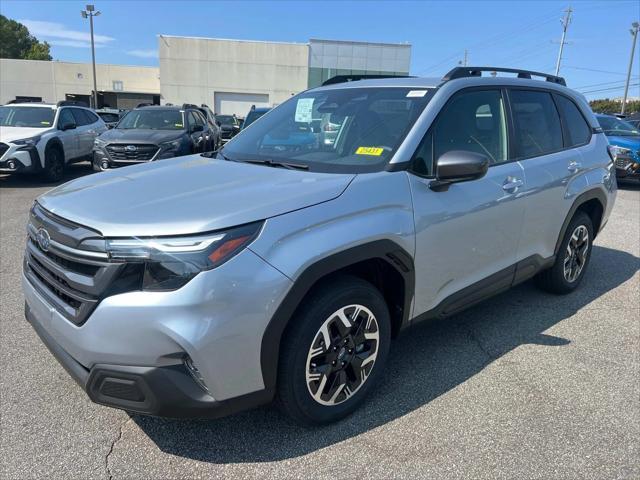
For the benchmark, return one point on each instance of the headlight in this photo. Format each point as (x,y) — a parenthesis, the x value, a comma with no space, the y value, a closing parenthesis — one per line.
(170,262)
(97,142)
(615,152)
(172,145)
(28,141)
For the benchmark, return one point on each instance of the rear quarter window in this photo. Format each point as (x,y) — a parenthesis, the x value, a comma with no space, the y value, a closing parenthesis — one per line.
(577,130)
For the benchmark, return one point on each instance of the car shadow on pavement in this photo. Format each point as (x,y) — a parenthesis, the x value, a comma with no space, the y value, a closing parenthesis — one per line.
(71,172)
(424,364)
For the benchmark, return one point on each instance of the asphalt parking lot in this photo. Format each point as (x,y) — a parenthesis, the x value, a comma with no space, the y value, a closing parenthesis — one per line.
(525,385)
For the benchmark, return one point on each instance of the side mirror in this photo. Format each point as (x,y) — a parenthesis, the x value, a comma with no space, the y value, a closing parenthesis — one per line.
(458,166)
(67,126)
(197,128)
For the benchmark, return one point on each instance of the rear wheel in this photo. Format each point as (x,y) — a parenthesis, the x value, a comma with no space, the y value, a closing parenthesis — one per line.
(53,164)
(573,257)
(334,352)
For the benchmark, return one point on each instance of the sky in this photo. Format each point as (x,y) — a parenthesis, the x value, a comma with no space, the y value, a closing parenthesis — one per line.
(518,34)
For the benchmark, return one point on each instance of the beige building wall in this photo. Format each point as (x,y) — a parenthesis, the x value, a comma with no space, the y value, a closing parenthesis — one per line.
(53,80)
(195,70)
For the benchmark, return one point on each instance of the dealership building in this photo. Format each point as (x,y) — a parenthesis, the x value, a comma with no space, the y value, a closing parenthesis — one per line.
(228,75)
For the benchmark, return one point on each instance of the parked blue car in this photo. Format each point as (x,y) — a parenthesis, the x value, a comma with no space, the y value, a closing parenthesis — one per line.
(626,138)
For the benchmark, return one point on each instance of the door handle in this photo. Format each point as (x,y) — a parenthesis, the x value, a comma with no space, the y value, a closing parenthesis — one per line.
(511,184)
(574,166)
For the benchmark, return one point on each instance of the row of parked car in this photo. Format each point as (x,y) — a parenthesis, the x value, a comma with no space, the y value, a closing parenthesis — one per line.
(44,138)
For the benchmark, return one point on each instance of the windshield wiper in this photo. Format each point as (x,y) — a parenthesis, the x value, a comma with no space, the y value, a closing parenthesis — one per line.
(272,163)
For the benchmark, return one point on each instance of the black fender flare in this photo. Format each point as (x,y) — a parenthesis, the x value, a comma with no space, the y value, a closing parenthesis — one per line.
(386,250)
(53,142)
(594,193)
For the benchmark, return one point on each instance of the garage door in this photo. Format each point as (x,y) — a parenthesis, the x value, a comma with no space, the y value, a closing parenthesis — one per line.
(228,103)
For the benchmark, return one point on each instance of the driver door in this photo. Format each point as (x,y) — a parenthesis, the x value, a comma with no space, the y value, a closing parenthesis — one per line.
(466,235)
(69,138)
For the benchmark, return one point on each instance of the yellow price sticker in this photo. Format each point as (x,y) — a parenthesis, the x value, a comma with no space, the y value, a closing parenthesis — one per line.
(377,151)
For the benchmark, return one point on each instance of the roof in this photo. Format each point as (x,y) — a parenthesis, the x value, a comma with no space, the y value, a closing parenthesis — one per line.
(416,82)
(32,104)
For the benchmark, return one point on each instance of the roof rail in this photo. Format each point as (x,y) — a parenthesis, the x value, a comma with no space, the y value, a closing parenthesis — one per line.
(463,72)
(71,103)
(353,78)
(190,105)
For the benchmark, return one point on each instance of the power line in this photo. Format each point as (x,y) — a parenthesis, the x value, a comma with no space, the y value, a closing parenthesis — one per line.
(616,82)
(610,89)
(595,70)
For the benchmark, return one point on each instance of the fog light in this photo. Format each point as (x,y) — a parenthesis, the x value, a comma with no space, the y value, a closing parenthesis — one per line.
(195,373)
(104,165)
(11,164)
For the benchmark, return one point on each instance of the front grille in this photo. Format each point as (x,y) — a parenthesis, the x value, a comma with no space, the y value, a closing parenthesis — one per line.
(3,148)
(73,274)
(131,152)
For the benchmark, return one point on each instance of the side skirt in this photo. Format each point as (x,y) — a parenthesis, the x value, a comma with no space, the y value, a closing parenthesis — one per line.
(497,283)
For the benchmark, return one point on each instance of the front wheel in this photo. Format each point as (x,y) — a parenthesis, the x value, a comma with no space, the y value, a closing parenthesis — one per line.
(53,164)
(573,257)
(334,352)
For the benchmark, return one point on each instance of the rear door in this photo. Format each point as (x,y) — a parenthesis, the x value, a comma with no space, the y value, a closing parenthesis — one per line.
(466,236)
(551,163)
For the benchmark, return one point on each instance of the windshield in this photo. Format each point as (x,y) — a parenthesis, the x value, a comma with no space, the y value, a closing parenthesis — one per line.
(226,119)
(349,130)
(613,126)
(32,117)
(152,119)
(253,116)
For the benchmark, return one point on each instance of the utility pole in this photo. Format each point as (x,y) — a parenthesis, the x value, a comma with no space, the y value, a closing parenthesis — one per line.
(634,32)
(463,62)
(91,12)
(565,24)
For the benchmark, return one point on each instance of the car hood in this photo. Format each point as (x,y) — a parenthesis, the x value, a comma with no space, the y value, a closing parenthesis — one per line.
(627,142)
(139,135)
(9,134)
(185,195)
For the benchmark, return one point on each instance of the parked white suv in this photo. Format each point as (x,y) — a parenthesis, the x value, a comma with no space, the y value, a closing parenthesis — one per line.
(43,138)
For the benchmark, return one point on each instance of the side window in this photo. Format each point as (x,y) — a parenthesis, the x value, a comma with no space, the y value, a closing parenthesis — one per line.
(80,117)
(201,120)
(473,121)
(537,123)
(65,116)
(422,163)
(577,128)
(193,119)
(91,117)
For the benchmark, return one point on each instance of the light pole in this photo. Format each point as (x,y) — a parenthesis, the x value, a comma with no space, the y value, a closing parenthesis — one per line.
(565,24)
(634,32)
(91,12)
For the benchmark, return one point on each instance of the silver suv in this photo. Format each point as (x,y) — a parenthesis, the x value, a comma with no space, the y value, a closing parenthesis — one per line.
(44,138)
(281,266)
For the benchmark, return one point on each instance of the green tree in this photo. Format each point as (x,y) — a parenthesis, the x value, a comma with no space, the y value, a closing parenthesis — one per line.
(614,106)
(17,42)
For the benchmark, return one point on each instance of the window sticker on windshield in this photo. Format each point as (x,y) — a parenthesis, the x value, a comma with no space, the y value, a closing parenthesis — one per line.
(44,122)
(179,125)
(416,93)
(304,106)
(377,151)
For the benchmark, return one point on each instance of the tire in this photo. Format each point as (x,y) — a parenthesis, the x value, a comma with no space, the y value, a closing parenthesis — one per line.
(53,164)
(574,253)
(349,372)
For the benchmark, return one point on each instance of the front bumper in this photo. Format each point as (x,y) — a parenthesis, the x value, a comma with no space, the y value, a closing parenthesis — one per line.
(168,391)
(20,159)
(130,352)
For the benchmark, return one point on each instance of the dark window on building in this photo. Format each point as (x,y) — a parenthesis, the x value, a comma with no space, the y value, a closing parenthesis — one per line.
(537,123)
(577,128)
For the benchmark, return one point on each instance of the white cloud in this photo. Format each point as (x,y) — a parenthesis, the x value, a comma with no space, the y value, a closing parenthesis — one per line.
(150,53)
(58,34)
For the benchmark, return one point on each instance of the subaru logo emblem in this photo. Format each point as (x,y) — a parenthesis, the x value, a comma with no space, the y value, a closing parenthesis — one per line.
(131,148)
(43,239)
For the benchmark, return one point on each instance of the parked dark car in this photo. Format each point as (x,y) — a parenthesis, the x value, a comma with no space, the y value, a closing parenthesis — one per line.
(624,139)
(215,128)
(153,133)
(110,116)
(254,114)
(229,125)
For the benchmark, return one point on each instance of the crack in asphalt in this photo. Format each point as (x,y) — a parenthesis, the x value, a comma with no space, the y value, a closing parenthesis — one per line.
(112,446)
